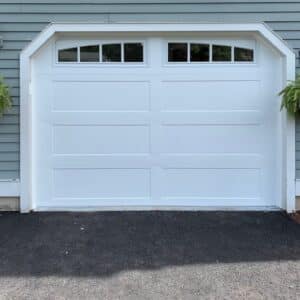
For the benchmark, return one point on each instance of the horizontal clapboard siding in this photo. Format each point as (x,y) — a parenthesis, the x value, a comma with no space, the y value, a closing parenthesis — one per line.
(21,21)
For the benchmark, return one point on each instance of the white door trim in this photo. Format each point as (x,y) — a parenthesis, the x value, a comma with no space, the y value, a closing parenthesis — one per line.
(287,124)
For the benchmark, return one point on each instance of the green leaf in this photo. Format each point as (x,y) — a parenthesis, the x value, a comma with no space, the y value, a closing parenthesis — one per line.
(291,97)
(5,98)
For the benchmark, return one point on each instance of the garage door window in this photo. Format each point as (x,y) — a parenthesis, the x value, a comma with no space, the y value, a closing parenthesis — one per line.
(89,53)
(205,52)
(111,53)
(128,52)
(243,54)
(199,52)
(178,52)
(221,53)
(133,52)
(68,55)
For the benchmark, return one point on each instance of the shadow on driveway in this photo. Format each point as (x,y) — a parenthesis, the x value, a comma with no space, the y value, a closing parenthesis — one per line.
(101,244)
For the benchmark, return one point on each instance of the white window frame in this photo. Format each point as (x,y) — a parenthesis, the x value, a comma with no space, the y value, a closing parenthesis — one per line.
(248,43)
(78,42)
(287,129)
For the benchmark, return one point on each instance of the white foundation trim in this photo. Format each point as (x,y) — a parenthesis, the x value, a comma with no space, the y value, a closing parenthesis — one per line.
(9,188)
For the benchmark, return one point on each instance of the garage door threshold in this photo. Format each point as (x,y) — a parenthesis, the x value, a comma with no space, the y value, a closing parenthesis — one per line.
(155,208)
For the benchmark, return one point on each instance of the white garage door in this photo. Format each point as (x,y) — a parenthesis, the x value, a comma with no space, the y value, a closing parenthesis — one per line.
(156,121)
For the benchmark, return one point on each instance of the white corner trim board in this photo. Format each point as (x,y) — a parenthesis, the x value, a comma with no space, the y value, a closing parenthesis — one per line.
(286,140)
(9,188)
(298,187)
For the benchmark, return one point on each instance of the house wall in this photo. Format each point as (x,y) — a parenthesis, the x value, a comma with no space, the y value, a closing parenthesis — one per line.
(21,21)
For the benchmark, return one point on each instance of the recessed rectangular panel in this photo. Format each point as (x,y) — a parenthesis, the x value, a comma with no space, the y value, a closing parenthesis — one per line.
(212,183)
(103,139)
(236,117)
(211,139)
(101,183)
(100,96)
(211,95)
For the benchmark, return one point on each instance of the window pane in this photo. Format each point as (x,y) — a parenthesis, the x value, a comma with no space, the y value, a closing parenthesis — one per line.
(221,53)
(243,54)
(177,52)
(133,52)
(67,55)
(89,53)
(111,53)
(199,52)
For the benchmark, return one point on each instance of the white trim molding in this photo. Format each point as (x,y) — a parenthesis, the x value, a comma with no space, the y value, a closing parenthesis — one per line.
(297,187)
(9,188)
(287,138)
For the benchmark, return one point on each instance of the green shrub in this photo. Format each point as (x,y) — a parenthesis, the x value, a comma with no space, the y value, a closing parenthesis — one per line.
(5,98)
(291,97)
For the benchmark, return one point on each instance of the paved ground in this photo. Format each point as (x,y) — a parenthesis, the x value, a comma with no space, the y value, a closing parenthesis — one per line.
(149,255)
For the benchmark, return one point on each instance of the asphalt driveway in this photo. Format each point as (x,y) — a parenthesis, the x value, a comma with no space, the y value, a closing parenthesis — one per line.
(149,255)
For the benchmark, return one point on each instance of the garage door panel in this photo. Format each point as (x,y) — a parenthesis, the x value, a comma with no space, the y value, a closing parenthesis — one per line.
(211,139)
(100,96)
(95,203)
(212,183)
(211,95)
(208,203)
(212,118)
(166,161)
(107,73)
(100,139)
(210,72)
(98,161)
(100,118)
(101,183)
(212,161)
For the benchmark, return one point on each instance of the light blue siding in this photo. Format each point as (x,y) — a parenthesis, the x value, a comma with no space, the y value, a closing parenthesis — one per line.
(20,21)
